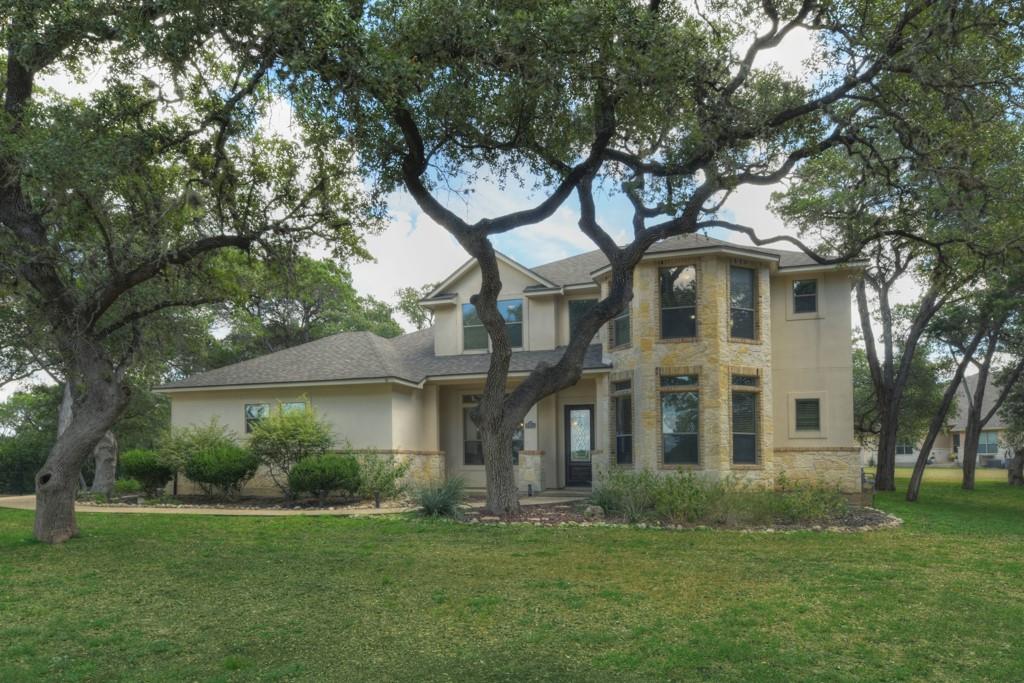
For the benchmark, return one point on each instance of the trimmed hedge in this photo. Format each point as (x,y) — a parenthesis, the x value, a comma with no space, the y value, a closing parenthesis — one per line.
(221,469)
(322,475)
(151,469)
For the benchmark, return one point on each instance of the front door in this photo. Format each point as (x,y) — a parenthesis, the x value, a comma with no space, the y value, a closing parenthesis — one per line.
(579,442)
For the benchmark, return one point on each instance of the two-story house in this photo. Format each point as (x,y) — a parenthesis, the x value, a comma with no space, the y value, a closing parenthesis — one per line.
(730,360)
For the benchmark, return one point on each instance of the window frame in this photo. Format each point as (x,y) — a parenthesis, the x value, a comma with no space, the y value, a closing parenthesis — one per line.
(816,401)
(682,388)
(662,308)
(748,389)
(904,449)
(467,403)
(991,446)
(755,332)
(794,297)
(613,338)
(487,347)
(251,422)
(286,409)
(487,338)
(617,394)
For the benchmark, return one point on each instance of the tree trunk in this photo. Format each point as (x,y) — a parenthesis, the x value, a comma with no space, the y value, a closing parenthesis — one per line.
(57,481)
(970,452)
(1015,471)
(885,472)
(502,492)
(105,455)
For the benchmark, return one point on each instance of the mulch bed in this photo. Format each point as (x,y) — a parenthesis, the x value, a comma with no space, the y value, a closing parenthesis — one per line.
(855,519)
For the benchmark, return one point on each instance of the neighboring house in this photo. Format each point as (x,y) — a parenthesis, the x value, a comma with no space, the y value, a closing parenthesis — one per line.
(948,447)
(730,360)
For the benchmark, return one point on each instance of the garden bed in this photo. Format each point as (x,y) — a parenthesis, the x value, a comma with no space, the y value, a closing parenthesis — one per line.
(853,519)
(243,503)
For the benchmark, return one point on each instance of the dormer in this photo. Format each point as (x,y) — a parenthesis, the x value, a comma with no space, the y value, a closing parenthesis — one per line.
(528,301)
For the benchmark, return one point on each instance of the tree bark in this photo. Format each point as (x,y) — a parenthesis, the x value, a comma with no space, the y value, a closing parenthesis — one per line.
(502,492)
(1015,471)
(939,419)
(57,482)
(885,470)
(970,453)
(105,455)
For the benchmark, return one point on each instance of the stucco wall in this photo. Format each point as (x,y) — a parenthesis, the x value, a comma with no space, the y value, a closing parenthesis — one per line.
(392,420)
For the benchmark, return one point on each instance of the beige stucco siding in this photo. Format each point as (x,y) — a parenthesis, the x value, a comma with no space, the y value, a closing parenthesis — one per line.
(363,416)
(812,358)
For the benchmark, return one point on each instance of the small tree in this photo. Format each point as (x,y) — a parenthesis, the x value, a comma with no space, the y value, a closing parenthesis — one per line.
(285,438)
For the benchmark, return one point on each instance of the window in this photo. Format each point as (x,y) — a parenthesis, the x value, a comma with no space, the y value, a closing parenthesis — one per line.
(956,443)
(904,449)
(512,311)
(254,413)
(474,336)
(805,296)
(988,443)
(741,302)
(293,407)
(808,415)
(577,309)
(622,410)
(744,419)
(680,412)
(678,287)
(620,329)
(472,446)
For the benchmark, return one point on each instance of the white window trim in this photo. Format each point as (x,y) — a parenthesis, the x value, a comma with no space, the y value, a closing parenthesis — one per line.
(823,414)
(462,327)
(816,315)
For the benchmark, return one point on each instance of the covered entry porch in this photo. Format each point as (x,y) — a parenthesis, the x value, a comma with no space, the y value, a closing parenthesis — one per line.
(556,443)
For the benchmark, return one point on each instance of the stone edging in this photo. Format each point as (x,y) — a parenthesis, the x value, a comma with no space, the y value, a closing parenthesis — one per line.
(890,521)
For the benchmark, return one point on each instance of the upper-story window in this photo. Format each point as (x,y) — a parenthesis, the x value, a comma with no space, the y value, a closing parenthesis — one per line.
(474,334)
(620,329)
(577,309)
(512,311)
(742,318)
(678,286)
(805,296)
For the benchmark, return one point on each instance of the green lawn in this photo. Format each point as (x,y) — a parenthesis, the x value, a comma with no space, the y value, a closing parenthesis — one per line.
(173,598)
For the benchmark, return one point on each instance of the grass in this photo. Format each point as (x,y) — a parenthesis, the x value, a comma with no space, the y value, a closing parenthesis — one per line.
(170,598)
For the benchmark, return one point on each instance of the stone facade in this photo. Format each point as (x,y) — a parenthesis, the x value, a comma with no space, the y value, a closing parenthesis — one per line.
(715,358)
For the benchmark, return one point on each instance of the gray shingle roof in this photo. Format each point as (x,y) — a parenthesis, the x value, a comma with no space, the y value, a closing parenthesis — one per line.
(577,269)
(365,356)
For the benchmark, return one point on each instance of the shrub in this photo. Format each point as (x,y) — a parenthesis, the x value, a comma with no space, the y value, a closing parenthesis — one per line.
(221,469)
(380,476)
(21,457)
(180,444)
(686,498)
(322,474)
(125,486)
(630,495)
(150,468)
(441,500)
(283,439)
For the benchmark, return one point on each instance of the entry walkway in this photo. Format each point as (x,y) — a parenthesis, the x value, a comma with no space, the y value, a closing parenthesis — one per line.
(29,503)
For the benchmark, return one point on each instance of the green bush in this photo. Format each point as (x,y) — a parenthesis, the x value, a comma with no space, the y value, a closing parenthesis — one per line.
(221,469)
(126,486)
(21,458)
(684,498)
(321,475)
(631,495)
(178,445)
(444,500)
(380,475)
(150,468)
(283,439)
